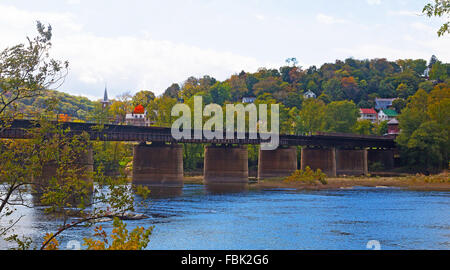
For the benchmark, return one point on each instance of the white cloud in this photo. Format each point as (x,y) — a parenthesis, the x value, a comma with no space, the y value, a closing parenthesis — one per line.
(373,2)
(423,27)
(260,17)
(73,2)
(126,63)
(325,19)
(408,13)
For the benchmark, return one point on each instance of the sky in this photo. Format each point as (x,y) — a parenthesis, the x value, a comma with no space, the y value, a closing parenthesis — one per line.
(148,45)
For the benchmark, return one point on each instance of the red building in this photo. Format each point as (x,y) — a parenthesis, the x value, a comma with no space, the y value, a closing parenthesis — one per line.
(393,127)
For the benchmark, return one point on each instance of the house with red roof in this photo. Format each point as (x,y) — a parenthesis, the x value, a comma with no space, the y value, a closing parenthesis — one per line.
(368,114)
(138,117)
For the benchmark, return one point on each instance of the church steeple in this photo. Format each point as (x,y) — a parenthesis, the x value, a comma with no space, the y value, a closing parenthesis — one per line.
(105,97)
(105,101)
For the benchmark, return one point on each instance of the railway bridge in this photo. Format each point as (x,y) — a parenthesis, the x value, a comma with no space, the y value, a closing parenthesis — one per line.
(158,157)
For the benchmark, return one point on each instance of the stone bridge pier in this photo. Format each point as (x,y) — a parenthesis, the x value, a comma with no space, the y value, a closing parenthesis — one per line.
(225,164)
(351,162)
(320,158)
(84,163)
(382,156)
(158,164)
(335,162)
(280,162)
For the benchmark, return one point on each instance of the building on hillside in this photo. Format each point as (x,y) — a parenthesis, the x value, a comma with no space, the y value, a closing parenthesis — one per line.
(105,102)
(383,103)
(138,117)
(387,115)
(368,114)
(246,100)
(309,94)
(426,73)
(393,127)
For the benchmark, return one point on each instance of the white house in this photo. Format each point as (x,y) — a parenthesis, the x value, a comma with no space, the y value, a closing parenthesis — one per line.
(248,100)
(368,114)
(387,115)
(309,94)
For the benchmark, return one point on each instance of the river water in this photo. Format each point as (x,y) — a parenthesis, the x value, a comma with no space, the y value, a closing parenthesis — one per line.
(197,217)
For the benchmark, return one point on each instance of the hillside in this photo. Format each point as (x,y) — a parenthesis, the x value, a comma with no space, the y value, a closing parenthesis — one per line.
(77,107)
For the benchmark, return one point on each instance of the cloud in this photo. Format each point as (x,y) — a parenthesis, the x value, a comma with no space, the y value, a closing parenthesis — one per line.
(259,17)
(423,27)
(373,2)
(126,63)
(408,13)
(325,19)
(73,2)
(144,63)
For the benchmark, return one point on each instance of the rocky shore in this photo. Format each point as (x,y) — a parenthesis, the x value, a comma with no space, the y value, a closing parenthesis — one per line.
(439,182)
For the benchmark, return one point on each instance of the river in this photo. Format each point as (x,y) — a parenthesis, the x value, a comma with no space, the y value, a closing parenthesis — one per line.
(199,218)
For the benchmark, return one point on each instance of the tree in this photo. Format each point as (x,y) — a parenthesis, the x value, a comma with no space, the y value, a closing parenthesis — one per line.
(121,239)
(312,116)
(143,98)
(402,90)
(292,60)
(425,127)
(341,116)
(364,127)
(333,89)
(172,91)
(399,104)
(350,88)
(120,107)
(440,8)
(53,158)
(26,71)
(381,128)
(220,92)
(160,110)
(439,71)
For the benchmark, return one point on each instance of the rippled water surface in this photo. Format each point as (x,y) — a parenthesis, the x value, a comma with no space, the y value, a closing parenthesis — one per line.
(197,218)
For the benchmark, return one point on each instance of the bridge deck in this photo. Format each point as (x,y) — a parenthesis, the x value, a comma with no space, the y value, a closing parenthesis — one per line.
(18,130)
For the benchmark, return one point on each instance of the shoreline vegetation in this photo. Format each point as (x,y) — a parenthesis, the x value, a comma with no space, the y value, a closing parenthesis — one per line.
(439,182)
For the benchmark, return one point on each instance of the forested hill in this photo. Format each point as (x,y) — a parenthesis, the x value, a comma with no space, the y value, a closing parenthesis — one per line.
(357,80)
(360,81)
(77,107)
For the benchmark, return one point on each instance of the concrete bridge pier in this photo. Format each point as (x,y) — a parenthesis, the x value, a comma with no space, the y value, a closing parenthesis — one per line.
(320,158)
(383,156)
(281,162)
(85,163)
(158,164)
(351,162)
(225,164)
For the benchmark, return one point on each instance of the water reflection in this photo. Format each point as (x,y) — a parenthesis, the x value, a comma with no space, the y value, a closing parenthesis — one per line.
(226,188)
(160,192)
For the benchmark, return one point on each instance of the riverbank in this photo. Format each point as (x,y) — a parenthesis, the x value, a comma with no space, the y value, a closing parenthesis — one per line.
(439,182)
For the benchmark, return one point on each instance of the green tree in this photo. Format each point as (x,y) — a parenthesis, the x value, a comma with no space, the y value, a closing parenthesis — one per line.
(399,104)
(26,71)
(425,129)
(341,116)
(312,116)
(333,89)
(172,91)
(439,71)
(364,127)
(53,158)
(220,93)
(143,98)
(439,8)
